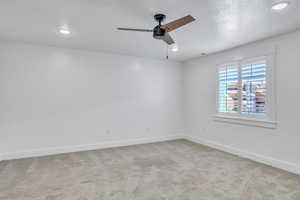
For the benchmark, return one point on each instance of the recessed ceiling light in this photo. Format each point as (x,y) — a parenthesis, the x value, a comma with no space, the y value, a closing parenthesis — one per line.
(64,31)
(280,5)
(175,48)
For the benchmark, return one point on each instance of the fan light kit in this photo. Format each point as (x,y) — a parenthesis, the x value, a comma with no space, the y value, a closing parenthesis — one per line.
(161,32)
(280,5)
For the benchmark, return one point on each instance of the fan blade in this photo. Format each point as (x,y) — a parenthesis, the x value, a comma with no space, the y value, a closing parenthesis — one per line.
(134,29)
(168,39)
(178,23)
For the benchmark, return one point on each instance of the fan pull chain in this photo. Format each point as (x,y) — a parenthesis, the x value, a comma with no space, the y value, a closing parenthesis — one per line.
(167,57)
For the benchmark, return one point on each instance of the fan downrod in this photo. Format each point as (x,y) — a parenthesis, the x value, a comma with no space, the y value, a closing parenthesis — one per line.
(159,18)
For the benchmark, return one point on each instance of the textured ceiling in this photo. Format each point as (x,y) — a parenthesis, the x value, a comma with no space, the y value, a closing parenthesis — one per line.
(220,24)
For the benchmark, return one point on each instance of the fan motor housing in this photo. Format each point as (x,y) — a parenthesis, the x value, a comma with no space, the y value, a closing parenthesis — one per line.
(158,33)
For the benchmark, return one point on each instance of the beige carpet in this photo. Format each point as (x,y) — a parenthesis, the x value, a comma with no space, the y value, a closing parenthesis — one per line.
(176,170)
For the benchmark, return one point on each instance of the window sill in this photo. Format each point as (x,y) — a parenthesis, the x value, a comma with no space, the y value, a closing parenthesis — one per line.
(245,121)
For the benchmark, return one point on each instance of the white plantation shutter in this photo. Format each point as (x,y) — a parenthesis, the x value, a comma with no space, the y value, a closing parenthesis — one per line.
(253,80)
(242,88)
(246,92)
(228,89)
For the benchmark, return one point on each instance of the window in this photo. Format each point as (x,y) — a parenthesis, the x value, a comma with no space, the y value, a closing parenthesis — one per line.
(245,91)
(253,80)
(228,89)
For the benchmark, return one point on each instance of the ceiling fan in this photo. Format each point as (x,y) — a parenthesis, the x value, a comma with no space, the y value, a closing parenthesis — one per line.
(161,32)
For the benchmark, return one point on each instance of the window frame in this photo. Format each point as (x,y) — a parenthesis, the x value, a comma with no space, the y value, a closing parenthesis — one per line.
(269,119)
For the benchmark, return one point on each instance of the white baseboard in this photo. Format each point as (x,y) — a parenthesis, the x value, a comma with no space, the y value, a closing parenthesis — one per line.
(287,166)
(85,147)
(109,144)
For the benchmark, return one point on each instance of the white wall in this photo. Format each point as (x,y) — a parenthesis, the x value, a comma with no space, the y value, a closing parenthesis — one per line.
(54,99)
(280,146)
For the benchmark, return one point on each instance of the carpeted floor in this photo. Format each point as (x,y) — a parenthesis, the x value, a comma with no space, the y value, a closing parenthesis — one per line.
(175,170)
